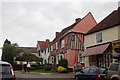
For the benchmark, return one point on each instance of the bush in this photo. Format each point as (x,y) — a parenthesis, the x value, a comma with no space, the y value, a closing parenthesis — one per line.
(17,67)
(47,67)
(70,69)
(37,66)
(63,63)
(61,69)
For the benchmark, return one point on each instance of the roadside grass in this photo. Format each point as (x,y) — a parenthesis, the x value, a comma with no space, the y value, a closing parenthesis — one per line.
(43,71)
(40,71)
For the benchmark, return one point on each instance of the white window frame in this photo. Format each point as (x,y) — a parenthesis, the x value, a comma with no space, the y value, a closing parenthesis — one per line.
(81,59)
(96,38)
(63,43)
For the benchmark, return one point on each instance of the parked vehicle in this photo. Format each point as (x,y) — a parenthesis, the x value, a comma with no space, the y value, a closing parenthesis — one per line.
(114,71)
(6,71)
(91,73)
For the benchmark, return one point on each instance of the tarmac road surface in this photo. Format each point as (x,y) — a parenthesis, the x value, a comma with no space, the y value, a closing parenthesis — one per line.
(44,76)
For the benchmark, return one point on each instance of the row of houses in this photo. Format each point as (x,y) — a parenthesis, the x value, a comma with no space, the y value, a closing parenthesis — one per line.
(84,41)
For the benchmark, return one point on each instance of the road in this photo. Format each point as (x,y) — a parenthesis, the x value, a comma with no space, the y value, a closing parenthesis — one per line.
(44,76)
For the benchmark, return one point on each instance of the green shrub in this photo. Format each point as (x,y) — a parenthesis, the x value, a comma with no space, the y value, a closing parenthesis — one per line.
(17,67)
(37,66)
(47,67)
(63,63)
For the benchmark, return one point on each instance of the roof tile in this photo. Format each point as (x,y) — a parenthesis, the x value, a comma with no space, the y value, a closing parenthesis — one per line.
(110,21)
(43,44)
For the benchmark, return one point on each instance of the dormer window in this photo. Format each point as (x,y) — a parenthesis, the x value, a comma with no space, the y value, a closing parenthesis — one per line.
(99,37)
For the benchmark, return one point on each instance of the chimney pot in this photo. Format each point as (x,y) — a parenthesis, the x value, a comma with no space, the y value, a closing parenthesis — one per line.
(47,40)
(57,33)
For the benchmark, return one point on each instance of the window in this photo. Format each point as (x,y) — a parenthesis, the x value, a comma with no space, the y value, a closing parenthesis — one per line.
(58,57)
(41,51)
(63,43)
(81,59)
(114,67)
(45,51)
(86,70)
(5,69)
(45,61)
(73,37)
(48,50)
(102,71)
(52,59)
(51,47)
(93,70)
(56,45)
(99,37)
(61,57)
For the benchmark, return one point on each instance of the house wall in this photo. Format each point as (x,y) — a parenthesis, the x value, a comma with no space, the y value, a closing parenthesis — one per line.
(70,56)
(119,32)
(65,38)
(70,48)
(108,35)
(58,57)
(45,56)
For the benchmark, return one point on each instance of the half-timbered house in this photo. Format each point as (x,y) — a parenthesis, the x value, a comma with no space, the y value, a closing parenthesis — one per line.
(69,43)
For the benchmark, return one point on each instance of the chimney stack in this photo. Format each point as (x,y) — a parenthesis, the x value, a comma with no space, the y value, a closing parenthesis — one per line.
(77,19)
(47,40)
(57,33)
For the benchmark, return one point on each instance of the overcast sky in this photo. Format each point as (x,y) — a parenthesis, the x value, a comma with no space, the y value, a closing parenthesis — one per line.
(27,21)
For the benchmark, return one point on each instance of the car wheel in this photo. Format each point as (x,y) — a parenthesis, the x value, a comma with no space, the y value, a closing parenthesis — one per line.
(114,79)
(77,78)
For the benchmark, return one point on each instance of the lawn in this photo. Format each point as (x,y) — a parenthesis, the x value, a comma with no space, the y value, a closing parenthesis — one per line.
(43,71)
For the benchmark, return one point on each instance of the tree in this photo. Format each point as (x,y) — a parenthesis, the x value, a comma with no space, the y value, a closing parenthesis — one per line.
(28,57)
(63,63)
(7,42)
(10,51)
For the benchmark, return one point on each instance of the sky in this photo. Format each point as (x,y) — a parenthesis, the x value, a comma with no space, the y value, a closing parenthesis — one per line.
(27,21)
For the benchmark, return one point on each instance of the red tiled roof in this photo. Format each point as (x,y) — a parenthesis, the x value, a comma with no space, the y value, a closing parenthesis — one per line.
(95,50)
(66,29)
(43,44)
(86,24)
(82,25)
(110,21)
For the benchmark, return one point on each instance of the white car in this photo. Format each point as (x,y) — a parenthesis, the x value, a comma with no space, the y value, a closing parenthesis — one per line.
(6,71)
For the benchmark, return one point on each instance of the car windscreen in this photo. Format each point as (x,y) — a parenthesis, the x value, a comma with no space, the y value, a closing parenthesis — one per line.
(102,71)
(114,67)
(5,69)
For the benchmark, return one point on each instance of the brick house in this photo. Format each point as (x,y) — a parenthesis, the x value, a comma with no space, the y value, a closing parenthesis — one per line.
(69,43)
(103,41)
(43,50)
